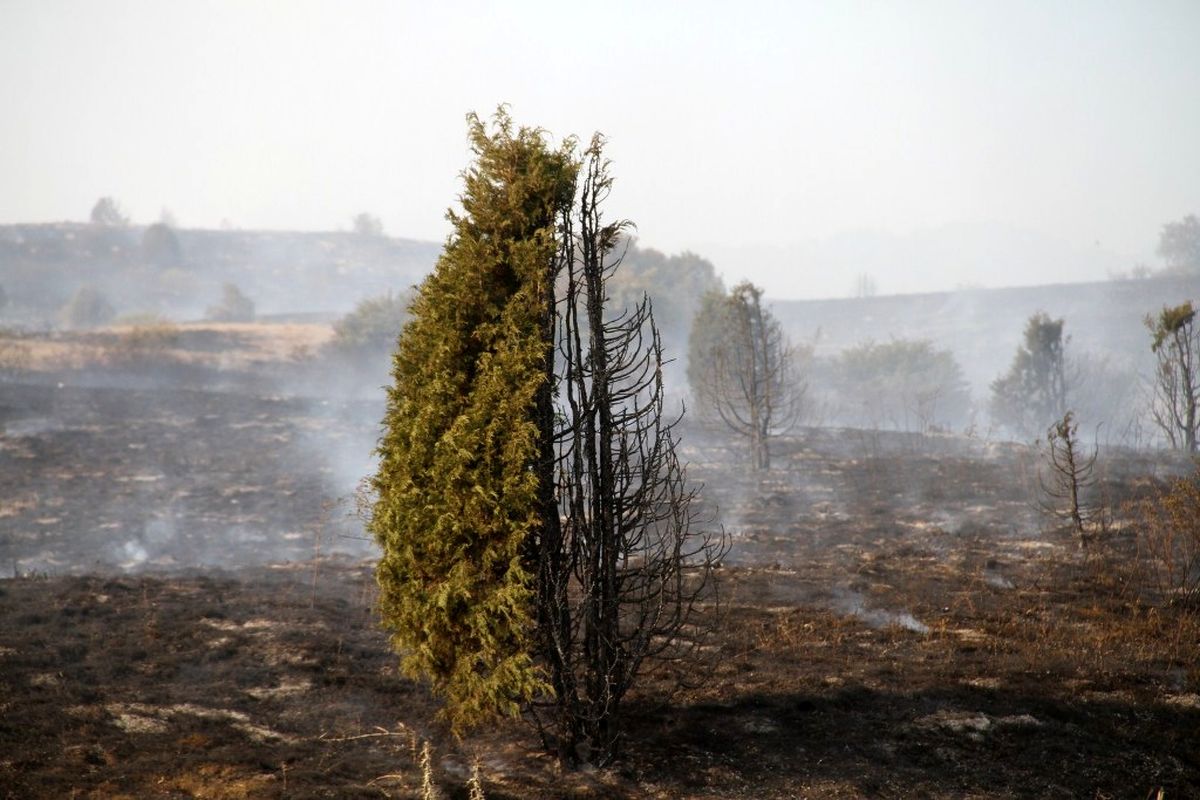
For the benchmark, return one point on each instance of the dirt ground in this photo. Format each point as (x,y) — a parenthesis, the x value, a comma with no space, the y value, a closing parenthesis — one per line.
(188,613)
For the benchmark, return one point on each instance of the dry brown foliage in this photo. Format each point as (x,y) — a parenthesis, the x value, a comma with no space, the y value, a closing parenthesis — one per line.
(1169,540)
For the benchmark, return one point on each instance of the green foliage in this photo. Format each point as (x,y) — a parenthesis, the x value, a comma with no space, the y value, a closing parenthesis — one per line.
(1171,322)
(676,285)
(372,327)
(456,492)
(87,308)
(905,384)
(1033,392)
(234,306)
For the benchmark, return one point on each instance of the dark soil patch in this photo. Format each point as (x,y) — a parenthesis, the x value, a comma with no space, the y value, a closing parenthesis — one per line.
(896,624)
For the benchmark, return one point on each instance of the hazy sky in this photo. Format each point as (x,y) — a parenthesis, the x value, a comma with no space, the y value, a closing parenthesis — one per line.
(747,127)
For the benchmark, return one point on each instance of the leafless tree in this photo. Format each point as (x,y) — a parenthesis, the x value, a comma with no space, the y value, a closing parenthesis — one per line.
(1176,388)
(625,572)
(1068,491)
(745,371)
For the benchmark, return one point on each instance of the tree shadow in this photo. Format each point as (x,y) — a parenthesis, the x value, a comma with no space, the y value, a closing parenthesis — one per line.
(949,742)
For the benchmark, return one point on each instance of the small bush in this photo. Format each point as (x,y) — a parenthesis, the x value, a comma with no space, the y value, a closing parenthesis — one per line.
(15,357)
(1169,538)
(903,384)
(372,327)
(144,342)
(87,308)
(160,246)
(234,306)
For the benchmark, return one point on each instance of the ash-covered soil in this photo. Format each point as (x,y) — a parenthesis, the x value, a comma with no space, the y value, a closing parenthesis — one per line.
(897,622)
(99,478)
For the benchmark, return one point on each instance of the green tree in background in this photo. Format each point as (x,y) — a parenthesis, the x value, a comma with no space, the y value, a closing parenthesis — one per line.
(366,224)
(107,212)
(372,327)
(675,285)
(1179,245)
(87,308)
(234,306)
(743,370)
(904,384)
(1033,393)
(160,246)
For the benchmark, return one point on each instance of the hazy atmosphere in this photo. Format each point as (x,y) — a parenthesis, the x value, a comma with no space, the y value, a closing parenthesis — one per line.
(826,426)
(931,144)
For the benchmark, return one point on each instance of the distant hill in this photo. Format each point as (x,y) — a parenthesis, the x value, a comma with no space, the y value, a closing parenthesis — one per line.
(983,327)
(967,254)
(283,272)
(317,276)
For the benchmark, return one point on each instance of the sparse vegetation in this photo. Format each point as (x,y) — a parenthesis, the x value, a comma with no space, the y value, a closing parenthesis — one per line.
(15,356)
(371,329)
(865,285)
(160,246)
(1179,245)
(1069,489)
(87,308)
(234,306)
(1169,536)
(906,385)
(1175,402)
(146,341)
(107,212)
(744,372)
(367,224)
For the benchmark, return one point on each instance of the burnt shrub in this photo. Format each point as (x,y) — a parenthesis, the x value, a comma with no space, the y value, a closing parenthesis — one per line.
(1168,528)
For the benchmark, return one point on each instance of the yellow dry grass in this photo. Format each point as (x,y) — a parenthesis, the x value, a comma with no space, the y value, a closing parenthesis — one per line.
(238,345)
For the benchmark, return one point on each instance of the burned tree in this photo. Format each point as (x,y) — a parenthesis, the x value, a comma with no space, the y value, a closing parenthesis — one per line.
(630,564)
(1176,386)
(537,534)
(1067,490)
(742,369)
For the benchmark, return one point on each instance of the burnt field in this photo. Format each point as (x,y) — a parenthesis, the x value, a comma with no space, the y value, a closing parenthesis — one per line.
(188,612)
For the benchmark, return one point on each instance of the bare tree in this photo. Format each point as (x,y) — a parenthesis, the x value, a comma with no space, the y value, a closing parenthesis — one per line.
(624,570)
(1176,387)
(744,370)
(1067,491)
(865,285)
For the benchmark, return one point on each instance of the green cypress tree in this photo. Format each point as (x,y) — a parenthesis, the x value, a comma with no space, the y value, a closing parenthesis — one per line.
(457,492)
